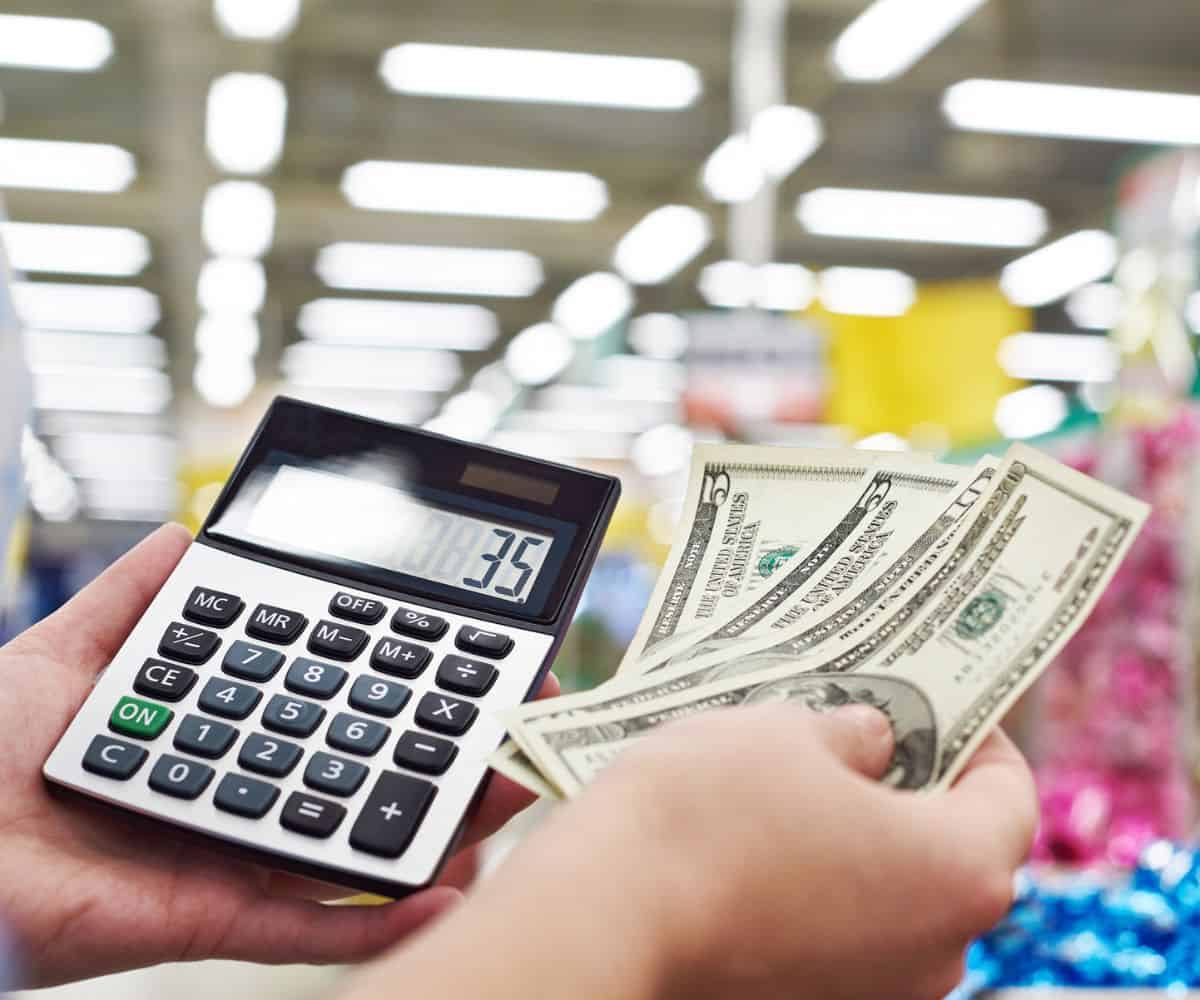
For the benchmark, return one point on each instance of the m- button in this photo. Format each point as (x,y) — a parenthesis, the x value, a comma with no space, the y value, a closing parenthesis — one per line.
(275,624)
(212,607)
(341,642)
(356,609)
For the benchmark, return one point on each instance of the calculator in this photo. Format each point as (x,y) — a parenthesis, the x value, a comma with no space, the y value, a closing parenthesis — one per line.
(317,682)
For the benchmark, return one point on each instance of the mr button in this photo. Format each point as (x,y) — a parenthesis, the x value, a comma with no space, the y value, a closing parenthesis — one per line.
(212,607)
(275,624)
(341,642)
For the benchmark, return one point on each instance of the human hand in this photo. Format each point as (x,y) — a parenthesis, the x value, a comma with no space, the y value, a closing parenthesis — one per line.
(88,892)
(742,853)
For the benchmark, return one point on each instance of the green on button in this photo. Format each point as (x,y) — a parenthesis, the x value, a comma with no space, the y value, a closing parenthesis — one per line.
(141,719)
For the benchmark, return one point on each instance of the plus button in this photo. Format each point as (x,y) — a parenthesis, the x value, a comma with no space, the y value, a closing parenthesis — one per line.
(391,811)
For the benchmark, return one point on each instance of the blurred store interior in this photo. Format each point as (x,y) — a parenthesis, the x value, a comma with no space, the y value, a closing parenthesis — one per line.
(595,232)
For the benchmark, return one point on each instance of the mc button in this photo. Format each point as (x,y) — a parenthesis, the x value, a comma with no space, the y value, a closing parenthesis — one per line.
(143,720)
(212,607)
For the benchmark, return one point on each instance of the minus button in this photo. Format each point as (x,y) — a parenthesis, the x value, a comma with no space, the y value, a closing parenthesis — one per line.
(424,753)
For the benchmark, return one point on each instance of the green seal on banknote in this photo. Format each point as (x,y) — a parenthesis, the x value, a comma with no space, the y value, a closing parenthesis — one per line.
(772,559)
(980,615)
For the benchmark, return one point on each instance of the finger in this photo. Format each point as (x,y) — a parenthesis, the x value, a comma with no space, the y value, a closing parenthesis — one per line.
(89,629)
(859,736)
(278,931)
(994,800)
(299,887)
(550,688)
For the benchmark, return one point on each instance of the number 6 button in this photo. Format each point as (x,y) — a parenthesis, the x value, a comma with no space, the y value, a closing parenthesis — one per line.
(354,735)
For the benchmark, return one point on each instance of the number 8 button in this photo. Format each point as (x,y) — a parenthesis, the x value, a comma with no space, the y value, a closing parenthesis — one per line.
(320,680)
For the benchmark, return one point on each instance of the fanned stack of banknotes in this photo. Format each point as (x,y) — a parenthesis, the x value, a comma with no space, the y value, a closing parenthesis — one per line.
(935,593)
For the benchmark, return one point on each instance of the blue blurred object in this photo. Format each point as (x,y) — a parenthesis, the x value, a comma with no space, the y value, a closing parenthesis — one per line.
(1081,930)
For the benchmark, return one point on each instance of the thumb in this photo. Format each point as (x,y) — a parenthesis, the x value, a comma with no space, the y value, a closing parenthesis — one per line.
(859,736)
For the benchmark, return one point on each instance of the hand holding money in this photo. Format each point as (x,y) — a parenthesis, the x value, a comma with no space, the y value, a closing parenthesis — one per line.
(934,593)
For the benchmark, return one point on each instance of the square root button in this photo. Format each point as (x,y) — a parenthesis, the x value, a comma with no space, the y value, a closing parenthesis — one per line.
(482,643)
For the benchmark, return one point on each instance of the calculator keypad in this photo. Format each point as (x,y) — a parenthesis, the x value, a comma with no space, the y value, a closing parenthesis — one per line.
(373,783)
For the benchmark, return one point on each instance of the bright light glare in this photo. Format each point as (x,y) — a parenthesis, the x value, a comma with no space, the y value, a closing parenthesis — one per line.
(105,454)
(337,365)
(1191,312)
(496,192)
(52,492)
(265,20)
(592,305)
(368,322)
(782,137)
(534,75)
(1058,268)
(247,122)
(662,244)
(430,269)
(1095,306)
(54,43)
(734,284)
(1073,112)
(227,336)
(662,450)
(58,348)
(728,284)
(732,173)
(99,250)
(883,441)
(1058,357)
(785,287)
(1029,412)
(239,219)
(86,308)
(232,286)
(538,354)
(663,336)
(922,218)
(224,380)
(891,36)
(101,389)
(471,415)
(866,291)
(65,166)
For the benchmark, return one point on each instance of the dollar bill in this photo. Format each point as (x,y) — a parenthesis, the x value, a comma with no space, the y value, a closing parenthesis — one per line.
(1052,542)
(510,761)
(748,512)
(899,503)
(904,587)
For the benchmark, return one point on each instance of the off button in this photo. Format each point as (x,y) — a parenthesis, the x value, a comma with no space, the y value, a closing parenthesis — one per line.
(356,609)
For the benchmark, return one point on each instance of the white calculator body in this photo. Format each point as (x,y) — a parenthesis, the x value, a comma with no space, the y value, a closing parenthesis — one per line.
(317,682)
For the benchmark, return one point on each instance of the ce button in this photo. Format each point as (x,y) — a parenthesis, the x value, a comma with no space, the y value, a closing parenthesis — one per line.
(166,681)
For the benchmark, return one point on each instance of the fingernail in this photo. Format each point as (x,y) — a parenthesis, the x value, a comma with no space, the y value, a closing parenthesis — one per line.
(872,724)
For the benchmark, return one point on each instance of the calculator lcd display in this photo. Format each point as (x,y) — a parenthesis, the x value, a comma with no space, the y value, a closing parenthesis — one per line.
(303,509)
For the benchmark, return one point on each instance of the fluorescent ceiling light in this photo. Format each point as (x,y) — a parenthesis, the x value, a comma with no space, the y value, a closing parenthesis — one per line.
(239,219)
(228,336)
(592,305)
(891,36)
(663,336)
(430,269)
(107,455)
(782,137)
(538,354)
(54,43)
(1095,307)
(232,286)
(866,291)
(100,389)
(87,308)
(1029,412)
(55,348)
(496,192)
(732,173)
(99,250)
(247,122)
(369,322)
(734,284)
(646,378)
(336,365)
(224,380)
(1072,112)
(1058,268)
(662,450)
(264,20)
(1192,311)
(596,445)
(534,75)
(662,244)
(471,415)
(65,166)
(921,218)
(1058,357)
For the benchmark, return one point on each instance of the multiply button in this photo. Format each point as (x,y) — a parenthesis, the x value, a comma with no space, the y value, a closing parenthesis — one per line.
(311,816)
(356,609)
(418,624)
(212,607)
(188,643)
(477,641)
(339,642)
(275,624)
(400,658)
(113,758)
(445,715)
(457,673)
(391,815)
(164,680)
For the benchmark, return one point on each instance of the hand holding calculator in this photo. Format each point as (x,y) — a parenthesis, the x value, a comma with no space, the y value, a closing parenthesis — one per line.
(315,684)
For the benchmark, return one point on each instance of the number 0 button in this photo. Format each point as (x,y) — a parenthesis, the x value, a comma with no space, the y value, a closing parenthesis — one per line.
(360,736)
(185,779)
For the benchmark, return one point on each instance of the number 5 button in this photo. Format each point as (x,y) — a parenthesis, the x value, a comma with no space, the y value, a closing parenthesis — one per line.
(444,714)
